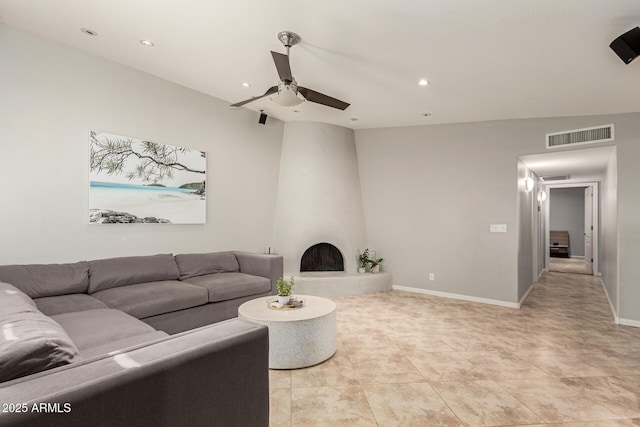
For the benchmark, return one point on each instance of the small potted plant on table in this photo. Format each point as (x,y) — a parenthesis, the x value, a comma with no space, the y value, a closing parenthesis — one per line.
(284,290)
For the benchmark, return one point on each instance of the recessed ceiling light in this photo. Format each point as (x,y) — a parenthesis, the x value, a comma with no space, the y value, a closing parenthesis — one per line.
(423,82)
(426,114)
(245,84)
(147,43)
(88,32)
(354,119)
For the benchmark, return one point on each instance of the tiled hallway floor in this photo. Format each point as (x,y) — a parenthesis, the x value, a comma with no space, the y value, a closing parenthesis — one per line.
(407,359)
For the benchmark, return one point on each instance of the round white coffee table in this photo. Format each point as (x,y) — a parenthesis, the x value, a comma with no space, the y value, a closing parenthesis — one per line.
(297,338)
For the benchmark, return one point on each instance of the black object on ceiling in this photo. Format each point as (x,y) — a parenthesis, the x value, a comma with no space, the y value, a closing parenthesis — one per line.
(627,46)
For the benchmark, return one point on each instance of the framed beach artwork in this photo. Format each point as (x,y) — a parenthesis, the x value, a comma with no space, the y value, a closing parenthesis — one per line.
(134,181)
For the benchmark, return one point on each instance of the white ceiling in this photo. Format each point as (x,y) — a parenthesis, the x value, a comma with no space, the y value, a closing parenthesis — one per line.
(486,60)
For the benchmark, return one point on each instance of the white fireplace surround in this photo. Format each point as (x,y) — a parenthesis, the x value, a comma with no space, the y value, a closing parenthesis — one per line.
(319,197)
(320,201)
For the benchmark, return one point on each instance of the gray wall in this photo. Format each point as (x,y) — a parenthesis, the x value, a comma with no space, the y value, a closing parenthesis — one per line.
(608,194)
(566,213)
(527,223)
(430,193)
(628,198)
(53,95)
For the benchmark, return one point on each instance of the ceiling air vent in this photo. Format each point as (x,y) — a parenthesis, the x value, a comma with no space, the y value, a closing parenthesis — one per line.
(580,136)
(555,178)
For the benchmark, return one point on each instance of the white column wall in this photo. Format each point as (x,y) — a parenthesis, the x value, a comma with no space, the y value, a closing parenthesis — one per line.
(319,198)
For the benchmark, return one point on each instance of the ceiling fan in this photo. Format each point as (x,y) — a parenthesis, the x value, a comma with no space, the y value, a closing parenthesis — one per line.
(287,90)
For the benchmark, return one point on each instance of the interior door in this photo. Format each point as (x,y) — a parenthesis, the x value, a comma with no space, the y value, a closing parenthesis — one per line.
(588,227)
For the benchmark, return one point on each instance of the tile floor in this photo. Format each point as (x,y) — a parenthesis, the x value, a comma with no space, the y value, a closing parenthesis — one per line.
(407,359)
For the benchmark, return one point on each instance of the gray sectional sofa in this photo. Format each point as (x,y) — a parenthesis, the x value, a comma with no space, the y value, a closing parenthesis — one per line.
(135,341)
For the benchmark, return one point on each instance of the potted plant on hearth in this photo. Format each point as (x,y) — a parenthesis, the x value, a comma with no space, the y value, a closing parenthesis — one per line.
(363,260)
(375,264)
(284,290)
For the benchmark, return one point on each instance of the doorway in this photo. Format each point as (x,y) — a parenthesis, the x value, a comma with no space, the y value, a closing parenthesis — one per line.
(572,224)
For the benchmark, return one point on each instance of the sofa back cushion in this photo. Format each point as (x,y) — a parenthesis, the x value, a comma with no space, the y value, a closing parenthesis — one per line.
(113,272)
(30,342)
(193,265)
(45,280)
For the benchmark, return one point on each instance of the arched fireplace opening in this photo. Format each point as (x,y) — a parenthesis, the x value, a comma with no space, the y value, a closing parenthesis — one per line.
(322,257)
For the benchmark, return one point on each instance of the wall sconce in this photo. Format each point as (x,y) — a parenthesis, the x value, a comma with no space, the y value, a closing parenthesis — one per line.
(542,195)
(528,184)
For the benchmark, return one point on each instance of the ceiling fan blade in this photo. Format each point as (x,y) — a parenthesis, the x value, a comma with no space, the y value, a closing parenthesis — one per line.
(320,98)
(282,65)
(272,89)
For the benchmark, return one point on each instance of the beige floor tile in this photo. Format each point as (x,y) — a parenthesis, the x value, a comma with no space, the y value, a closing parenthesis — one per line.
(335,371)
(415,341)
(449,366)
(484,403)
(280,407)
(610,423)
(555,401)
(279,378)
(408,405)
(382,369)
(564,363)
(470,341)
(342,406)
(619,395)
(502,365)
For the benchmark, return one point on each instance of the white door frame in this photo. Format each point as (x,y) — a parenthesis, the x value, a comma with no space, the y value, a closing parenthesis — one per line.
(595,268)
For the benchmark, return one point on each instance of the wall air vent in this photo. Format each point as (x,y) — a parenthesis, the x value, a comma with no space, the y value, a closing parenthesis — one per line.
(580,136)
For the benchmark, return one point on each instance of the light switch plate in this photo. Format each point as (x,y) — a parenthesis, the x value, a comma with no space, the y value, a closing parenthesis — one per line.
(498,228)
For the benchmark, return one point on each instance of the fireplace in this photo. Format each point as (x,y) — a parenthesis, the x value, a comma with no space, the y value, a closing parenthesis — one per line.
(322,257)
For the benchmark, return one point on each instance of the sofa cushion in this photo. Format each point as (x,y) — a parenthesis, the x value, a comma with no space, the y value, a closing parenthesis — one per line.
(43,280)
(30,342)
(68,303)
(193,265)
(11,298)
(226,286)
(91,328)
(153,298)
(114,272)
(121,344)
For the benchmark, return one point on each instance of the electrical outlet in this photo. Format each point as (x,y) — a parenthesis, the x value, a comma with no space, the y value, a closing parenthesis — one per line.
(432,276)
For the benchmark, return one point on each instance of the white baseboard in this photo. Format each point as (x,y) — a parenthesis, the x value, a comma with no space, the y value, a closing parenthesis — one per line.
(457,296)
(577,256)
(629,322)
(616,319)
(525,296)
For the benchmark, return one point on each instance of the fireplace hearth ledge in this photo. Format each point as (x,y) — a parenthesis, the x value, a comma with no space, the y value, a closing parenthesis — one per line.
(339,283)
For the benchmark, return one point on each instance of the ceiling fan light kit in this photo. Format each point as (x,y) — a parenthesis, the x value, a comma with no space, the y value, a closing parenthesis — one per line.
(287,93)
